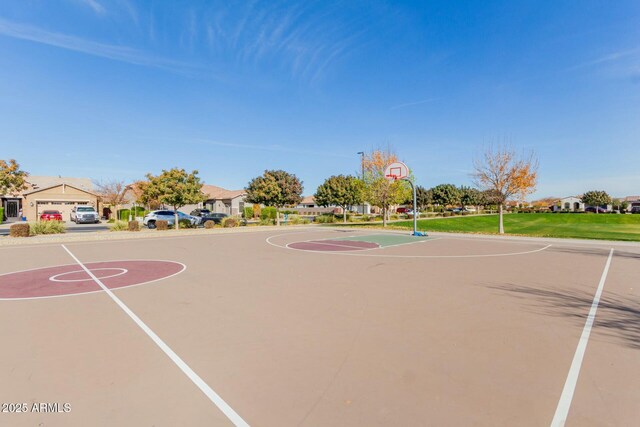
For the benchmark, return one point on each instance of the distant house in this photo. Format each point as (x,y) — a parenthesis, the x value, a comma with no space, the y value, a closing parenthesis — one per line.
(571,204)
(308,202)
(49,193)
(633,201)
(231,202)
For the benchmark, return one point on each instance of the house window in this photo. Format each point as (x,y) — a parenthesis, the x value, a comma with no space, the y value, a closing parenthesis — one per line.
(567,205)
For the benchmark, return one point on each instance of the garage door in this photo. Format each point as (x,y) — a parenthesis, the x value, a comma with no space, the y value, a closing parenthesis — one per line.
(64,208)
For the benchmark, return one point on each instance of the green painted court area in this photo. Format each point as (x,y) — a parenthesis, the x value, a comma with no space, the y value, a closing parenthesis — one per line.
(386,239)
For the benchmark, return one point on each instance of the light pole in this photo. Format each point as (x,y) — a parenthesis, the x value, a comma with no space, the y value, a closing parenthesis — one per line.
(362,168)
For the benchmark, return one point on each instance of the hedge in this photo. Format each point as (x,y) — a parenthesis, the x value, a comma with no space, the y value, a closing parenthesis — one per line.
(268,212)
(1,215)
(123,214)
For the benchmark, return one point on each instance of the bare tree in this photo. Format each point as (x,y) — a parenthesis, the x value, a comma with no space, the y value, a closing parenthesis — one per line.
(112,192)
(506,175)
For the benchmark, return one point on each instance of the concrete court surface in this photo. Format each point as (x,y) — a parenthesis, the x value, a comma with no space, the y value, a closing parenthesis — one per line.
(265,329)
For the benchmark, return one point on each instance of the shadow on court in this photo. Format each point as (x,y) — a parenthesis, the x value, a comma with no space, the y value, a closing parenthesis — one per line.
(617,317)
(595,252)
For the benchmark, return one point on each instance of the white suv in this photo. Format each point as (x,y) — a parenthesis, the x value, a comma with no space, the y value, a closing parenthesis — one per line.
(85,214)
(150,219)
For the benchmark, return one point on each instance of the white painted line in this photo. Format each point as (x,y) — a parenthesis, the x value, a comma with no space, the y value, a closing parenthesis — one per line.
(562,411)
(55,277)
(199,382)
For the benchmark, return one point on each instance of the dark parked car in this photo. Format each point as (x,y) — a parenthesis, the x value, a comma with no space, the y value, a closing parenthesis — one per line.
(595,209)
(215,217)
(51,216)
(635,210)
(200,212)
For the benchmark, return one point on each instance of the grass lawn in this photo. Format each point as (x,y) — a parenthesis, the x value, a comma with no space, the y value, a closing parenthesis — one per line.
(584,226)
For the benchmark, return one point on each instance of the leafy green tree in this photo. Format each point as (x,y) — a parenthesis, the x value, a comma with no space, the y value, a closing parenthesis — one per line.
(340,190)
(275,188)
(424,197)
(174,187)
(12,179)
(446,194)
(470,196)
(596,198)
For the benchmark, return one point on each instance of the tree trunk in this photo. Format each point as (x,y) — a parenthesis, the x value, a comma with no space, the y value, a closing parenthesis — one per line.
(501,221)
(175,213)
(384,216)
(344,214)
(277,217)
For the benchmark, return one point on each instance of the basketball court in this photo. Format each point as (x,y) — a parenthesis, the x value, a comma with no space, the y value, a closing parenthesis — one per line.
(320,327)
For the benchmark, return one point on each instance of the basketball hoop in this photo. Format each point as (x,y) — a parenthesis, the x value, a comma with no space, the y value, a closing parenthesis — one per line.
(396,171)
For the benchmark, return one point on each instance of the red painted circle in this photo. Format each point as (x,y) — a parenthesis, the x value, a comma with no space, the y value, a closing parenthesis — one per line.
(72,279)
(333,245)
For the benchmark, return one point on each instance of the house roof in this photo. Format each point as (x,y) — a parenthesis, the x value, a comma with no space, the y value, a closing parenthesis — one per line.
(632,199)
(26,193)
(219,193)
(36,182)
(132,192)
(308,200)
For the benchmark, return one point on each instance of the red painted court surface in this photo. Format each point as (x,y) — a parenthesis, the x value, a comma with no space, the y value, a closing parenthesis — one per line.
(71,279)
(320,327)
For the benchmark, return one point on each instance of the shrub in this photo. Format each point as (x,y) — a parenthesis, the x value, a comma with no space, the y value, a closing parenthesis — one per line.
(134,226)
(1,214)
(209,224)
(19,230)
(256,210)
(447,214)
(268,212)
(267,221)
(161,224)
(248,212)
(230,222)
(393,216)
(297,219)
(325,219)
(47,227)
(366,218)
(119,226)
(185,223)
(123,214)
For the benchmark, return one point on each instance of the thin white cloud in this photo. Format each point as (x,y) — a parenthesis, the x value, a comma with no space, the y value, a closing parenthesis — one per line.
(611,57)
(409,104)
(93,4)
(77,44)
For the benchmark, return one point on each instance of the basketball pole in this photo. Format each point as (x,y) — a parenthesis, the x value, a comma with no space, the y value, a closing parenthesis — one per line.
(415,207)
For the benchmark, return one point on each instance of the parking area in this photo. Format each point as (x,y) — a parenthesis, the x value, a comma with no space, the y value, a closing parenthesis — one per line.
(321,327)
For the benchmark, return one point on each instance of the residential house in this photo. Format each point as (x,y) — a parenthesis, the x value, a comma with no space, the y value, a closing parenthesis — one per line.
(632,201)
(308,202)
(571,204)
(221,200)
(49,193)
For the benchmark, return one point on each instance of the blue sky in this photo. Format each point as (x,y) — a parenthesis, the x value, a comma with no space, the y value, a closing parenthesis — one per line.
(116,89)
